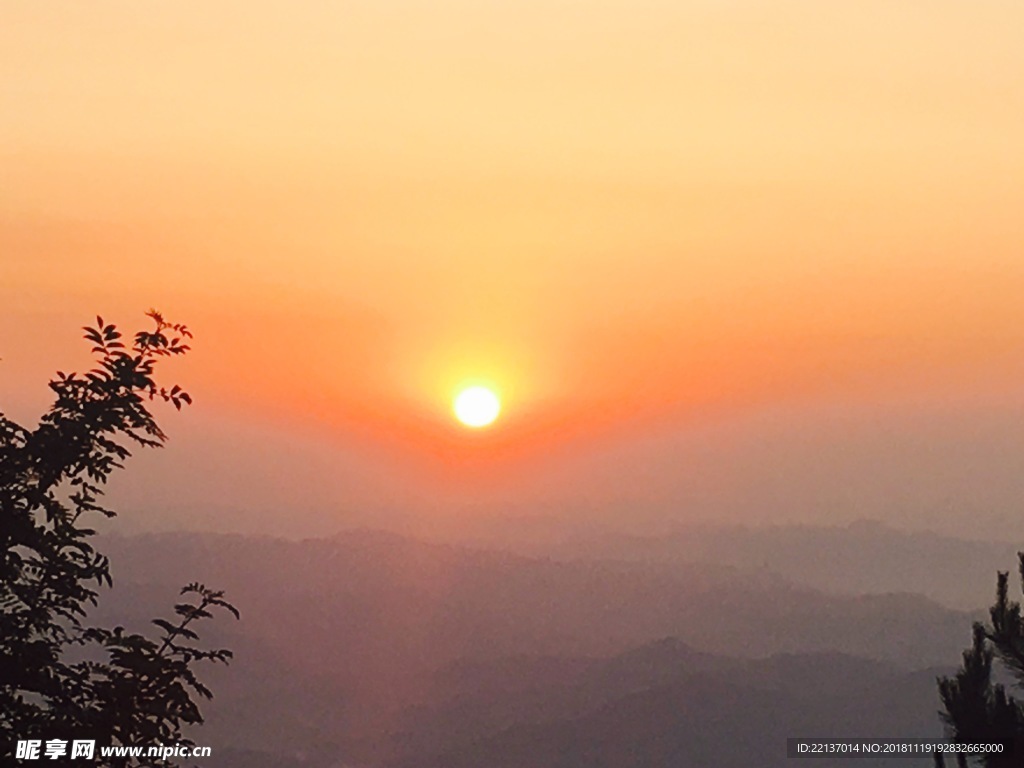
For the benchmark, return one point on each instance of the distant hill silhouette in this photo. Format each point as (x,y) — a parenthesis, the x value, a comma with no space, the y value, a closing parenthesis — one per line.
(367,648)
(863,557)
(717,719)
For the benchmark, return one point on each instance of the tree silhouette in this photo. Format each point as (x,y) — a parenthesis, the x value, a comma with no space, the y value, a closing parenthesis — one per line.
(977,708)
(60,678)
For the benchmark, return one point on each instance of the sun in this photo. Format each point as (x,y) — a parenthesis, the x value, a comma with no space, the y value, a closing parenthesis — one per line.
(476,407)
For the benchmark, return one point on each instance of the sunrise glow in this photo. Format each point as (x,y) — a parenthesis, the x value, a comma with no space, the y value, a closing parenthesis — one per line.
(633,222)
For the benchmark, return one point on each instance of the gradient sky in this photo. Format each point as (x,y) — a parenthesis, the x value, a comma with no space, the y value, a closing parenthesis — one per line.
(705,249)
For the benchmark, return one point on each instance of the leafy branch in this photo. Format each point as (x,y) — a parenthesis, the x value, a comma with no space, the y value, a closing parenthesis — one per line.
(50,477)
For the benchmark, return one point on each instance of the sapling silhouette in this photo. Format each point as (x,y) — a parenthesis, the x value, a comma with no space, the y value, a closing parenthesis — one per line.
(976,708)
(60,678)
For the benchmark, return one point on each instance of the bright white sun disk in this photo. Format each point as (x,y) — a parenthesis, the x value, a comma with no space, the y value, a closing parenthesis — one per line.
(477,406)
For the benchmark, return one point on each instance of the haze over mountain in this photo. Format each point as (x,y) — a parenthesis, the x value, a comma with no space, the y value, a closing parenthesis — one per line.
(376,649)
(951,465)
(866,556)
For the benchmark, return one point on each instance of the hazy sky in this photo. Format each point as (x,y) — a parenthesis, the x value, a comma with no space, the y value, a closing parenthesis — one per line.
(719,257)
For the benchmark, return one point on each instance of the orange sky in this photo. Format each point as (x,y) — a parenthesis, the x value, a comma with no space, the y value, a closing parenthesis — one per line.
(622,214)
